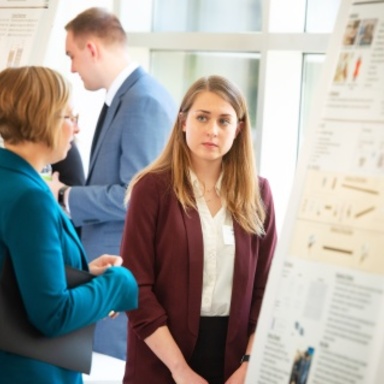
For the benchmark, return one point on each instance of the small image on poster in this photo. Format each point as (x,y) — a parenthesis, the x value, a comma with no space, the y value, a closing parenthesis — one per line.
(344,67)
(350,34)
(301,365)
(366,32)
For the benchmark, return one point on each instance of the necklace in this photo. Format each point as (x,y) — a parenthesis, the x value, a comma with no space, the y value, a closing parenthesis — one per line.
(206,190)
(210,194)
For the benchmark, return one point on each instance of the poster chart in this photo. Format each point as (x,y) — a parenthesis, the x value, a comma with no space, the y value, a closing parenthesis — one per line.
(322,320)
(24,31)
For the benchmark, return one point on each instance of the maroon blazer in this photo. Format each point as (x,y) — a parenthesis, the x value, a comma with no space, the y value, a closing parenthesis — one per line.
(163,247)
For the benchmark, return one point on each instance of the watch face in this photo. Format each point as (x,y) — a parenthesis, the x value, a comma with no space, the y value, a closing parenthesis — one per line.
(60,196)
(245,358)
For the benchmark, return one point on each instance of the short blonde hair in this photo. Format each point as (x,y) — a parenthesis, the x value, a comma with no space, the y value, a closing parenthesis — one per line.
(31,100)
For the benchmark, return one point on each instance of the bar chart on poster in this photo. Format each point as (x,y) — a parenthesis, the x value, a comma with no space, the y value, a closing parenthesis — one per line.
(323,311)
(24,31)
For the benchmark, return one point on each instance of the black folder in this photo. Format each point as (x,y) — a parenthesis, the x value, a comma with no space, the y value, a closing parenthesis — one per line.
(72,351)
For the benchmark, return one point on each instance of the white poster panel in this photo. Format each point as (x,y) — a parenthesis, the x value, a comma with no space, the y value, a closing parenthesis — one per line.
(322,317)
(25,27)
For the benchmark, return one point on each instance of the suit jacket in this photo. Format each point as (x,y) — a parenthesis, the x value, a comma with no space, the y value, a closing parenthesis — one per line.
(71,168)
(41,241)
(135,130)
(163,247)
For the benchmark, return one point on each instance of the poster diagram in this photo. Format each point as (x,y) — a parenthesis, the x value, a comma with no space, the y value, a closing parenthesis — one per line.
(22,25)
(14,56)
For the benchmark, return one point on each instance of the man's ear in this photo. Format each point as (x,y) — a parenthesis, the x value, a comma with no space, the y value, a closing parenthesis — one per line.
(92,48)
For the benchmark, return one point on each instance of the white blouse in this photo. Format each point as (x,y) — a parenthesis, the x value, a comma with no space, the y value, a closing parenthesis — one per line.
(219,254)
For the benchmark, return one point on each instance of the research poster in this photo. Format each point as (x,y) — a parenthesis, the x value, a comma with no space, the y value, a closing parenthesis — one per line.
(322,320)
(24,31)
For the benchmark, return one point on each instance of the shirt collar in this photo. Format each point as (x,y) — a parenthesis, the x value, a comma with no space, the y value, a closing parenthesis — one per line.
(196,184)
(116,84)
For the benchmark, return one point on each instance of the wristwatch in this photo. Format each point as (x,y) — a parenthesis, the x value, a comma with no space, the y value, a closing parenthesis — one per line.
(60,195)
(245,358)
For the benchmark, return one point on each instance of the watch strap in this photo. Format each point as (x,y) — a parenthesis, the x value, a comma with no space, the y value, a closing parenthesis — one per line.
(60,195)
(245,358)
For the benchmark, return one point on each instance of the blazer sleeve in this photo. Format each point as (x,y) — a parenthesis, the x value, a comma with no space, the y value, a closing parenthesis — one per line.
(143,121)
(39,250)
(266,250)
(138,250)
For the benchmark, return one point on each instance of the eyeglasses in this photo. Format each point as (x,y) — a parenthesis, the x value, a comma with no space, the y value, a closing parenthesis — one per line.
(73,119)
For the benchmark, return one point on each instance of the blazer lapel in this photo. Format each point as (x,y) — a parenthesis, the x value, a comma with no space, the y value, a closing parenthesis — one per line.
(17,164)
(195,253)
(239,284)
(112,111)
(70,231)
(106,126)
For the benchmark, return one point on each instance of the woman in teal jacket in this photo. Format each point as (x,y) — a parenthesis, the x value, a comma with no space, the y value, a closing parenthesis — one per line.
(37,125)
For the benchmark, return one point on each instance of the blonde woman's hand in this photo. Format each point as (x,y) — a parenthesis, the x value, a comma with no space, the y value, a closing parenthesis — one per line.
(100,265)
(103,262)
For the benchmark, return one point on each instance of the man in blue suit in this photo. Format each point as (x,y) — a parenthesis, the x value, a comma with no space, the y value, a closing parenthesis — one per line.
(137,118)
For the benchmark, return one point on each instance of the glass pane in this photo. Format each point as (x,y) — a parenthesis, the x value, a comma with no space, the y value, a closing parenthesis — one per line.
(312,67)
(286,16)
(178,70)
(207,16)
(321,15)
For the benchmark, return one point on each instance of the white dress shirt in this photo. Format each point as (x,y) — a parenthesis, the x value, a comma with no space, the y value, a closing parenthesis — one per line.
(219,254)
(117,83)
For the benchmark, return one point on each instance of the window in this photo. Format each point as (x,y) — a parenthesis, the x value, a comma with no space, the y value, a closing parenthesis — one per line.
(207,16)
(241,68)
(312,67)
(272,49)
(321,15)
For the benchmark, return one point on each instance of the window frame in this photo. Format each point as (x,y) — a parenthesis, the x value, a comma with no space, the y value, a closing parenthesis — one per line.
(281,56)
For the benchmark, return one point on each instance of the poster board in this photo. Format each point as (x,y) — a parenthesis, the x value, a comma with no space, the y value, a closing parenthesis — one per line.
(323,311)
(25,27)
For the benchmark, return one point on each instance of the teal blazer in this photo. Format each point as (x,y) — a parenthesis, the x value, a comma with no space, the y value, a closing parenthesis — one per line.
(41,241)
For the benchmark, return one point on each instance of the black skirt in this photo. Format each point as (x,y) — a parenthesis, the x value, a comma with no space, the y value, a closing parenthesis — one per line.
(208,356)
